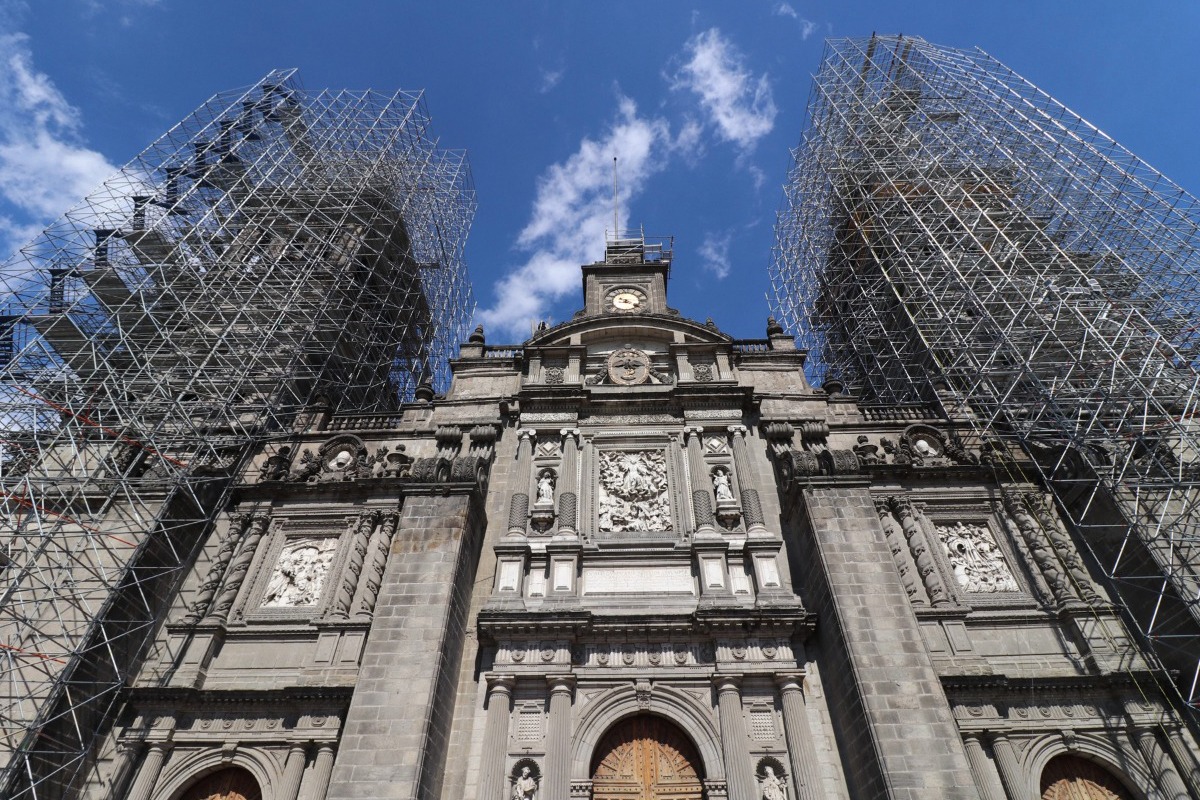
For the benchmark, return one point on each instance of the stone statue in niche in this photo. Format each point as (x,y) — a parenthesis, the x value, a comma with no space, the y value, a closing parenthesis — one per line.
(633,491)
(545,488)
(524,786)
(300,573)
(772,787)
(724,491)
(975,559)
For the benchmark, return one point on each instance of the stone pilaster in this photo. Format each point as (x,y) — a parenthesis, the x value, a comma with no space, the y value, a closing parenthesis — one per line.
(293,773)
(238,569)
(381,542)
(493,781)
(340,609)
(986,777)
(568,483)
(518,505)
(147,776)
(739,773)
(1008,766)
(751,503)
(1169,782)
(557,781)
(316,784)
(1185,758)
(896,542)
(702,495)
(212,580)
(801,751)
(918,545)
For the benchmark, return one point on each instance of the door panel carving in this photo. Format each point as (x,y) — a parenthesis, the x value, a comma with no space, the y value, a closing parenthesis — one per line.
(645,758)
(1071,778)
(228,784)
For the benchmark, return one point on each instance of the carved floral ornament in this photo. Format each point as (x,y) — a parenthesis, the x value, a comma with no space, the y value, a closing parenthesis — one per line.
(633,491)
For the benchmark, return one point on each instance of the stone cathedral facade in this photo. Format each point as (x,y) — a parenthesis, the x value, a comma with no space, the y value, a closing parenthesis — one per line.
(636,558)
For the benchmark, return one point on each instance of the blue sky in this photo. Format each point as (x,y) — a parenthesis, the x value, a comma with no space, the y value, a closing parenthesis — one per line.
(701,101)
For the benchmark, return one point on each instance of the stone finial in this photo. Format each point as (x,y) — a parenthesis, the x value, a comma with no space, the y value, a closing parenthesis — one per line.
(773,327)
(424,392)
(476,336)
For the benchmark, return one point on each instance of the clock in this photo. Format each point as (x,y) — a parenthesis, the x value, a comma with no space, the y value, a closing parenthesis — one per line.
(626,299)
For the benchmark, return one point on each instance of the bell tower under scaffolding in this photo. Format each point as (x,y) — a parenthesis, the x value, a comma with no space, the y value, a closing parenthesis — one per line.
(952,234)
(276,251)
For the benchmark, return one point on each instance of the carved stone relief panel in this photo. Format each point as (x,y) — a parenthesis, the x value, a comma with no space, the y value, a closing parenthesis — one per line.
(975,558)
(632,494)
(300,572)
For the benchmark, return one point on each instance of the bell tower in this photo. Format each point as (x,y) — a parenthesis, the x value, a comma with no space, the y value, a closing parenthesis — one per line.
(632,278)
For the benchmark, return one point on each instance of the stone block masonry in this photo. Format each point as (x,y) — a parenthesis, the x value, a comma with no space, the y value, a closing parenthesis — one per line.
(396,732)
(897,736)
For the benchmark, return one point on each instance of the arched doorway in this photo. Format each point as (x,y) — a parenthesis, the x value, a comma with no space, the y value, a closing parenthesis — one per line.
(1074,778)
(234,783)
(645,758)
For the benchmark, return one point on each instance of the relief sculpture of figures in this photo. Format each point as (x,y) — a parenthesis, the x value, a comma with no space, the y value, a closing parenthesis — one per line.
(975,559)
(524,787)
(633,492)
(721,486)
(300,573)
(773,787)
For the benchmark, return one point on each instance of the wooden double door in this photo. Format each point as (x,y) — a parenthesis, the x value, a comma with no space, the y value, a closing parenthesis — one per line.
(646,758)
(227,784)
(1072,778)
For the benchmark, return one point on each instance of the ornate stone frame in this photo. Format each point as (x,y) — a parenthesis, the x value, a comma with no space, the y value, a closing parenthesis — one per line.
(982,513)
(1132,772)
(287,529)
(632,441)
(602,712)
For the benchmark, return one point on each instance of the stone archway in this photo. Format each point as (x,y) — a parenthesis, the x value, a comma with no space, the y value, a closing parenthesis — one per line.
(233,783)
(1074,778)
(645,757)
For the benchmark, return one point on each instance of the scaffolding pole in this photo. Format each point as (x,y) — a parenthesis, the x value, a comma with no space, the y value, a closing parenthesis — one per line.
(951,231)
(275,250)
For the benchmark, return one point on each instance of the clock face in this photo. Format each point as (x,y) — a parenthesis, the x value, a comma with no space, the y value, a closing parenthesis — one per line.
(626,299)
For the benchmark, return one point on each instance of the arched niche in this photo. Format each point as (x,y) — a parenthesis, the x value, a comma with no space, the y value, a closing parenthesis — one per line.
(692,716)
(187,768)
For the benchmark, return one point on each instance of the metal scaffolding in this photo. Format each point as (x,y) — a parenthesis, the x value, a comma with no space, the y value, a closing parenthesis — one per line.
(277,249)
(951,233)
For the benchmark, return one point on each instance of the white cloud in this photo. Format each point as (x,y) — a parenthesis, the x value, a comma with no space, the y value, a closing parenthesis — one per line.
(807,26)
(741,107)
(714,254)
(550,79)
(45,167)
(571,211)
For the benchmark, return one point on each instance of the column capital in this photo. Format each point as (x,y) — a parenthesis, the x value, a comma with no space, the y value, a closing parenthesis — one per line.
(727,683)
(738,430)
(692,430)
(527,433)
(501,684)
(570,433)
(791,681)
(560,684)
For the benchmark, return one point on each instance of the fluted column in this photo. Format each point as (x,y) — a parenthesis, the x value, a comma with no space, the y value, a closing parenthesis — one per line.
(237,570)
(738,771)
(493,782)
(147,776)
(518,505)
(752,511)
(216,571)
(702,497)
(801,750)
(557,782)
(1160,764)
(316,786)
(293,773)
(1009,767)
(354,564)
(1185,760)
(986,779)
(919,547)
(568,483)
(381,542)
